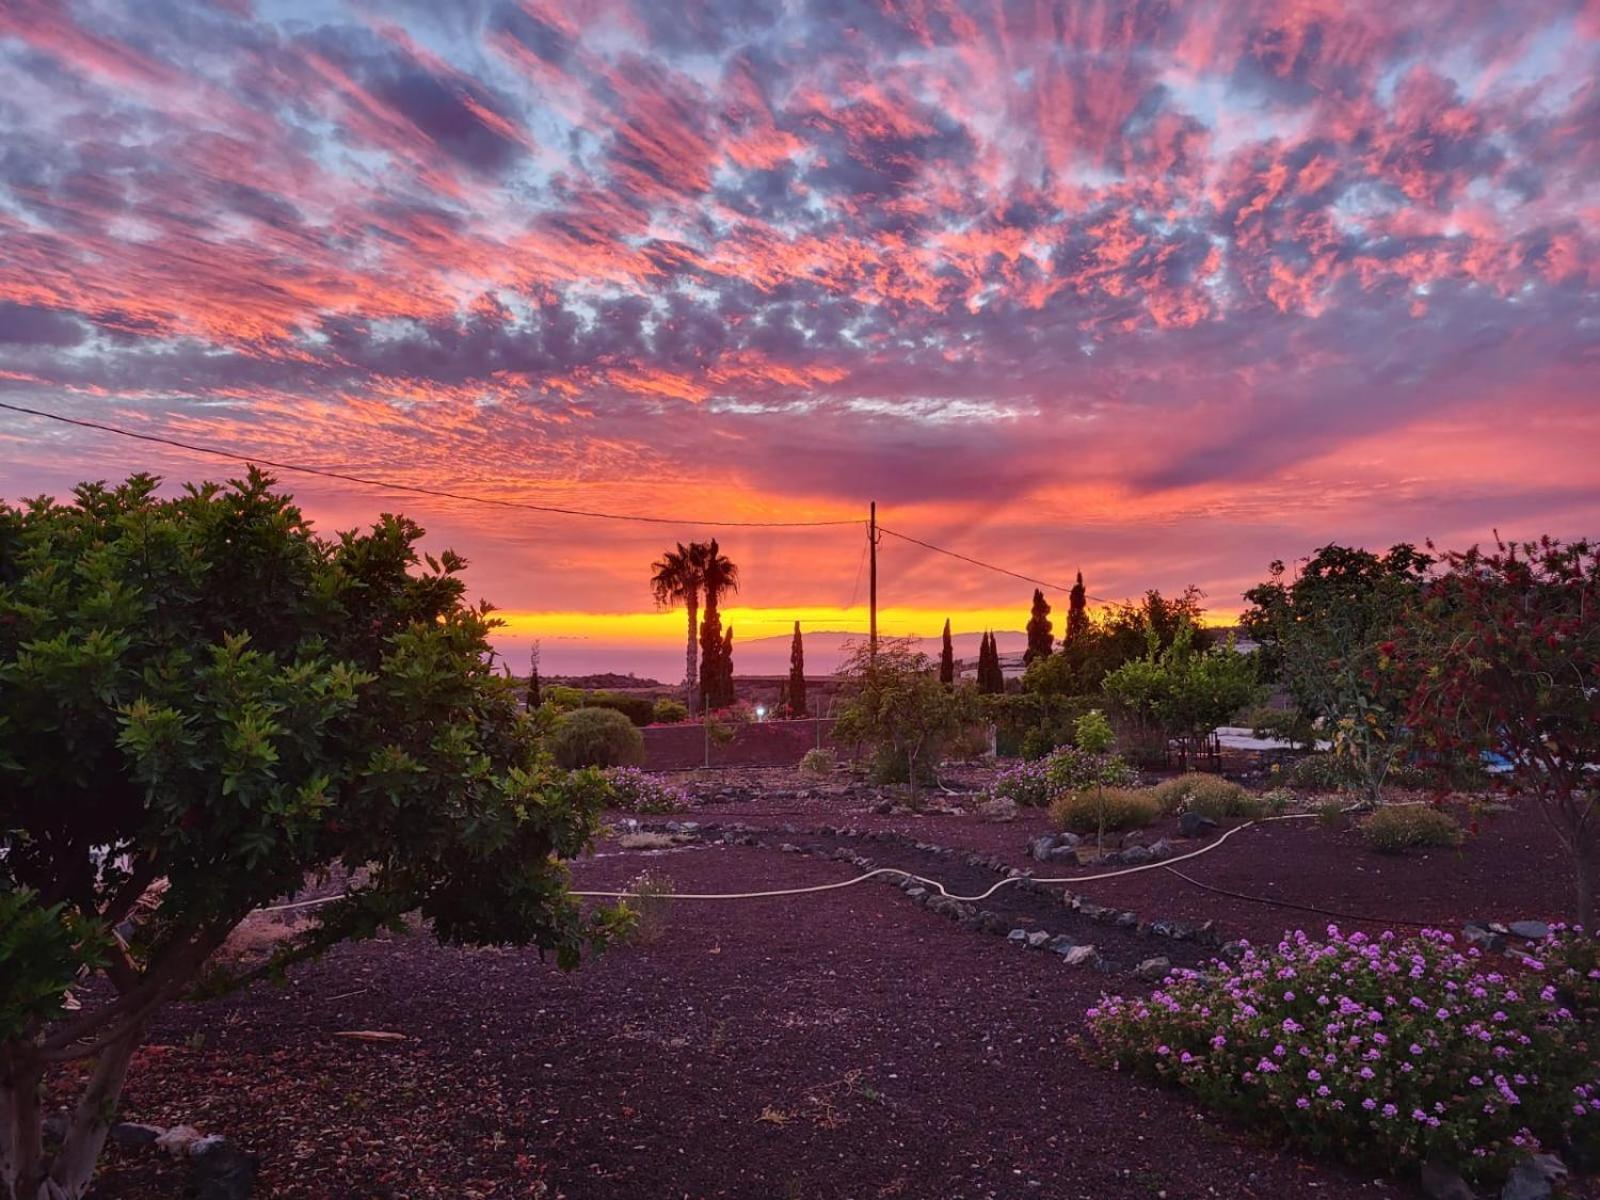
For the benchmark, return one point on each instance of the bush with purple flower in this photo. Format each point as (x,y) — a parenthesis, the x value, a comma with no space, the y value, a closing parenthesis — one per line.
(1066,769)
(1382,1050)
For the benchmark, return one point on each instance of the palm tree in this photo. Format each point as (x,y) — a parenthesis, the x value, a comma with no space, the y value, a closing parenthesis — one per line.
(718,574)
(677,579)
(683,576)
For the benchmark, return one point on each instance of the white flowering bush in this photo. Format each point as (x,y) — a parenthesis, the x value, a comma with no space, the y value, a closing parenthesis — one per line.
(1381,1051)
(636,791)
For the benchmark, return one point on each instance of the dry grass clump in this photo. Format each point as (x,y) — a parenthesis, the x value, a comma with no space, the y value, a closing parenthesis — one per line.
(649,898)
(1119,808)
(1209,795)
(1402,827)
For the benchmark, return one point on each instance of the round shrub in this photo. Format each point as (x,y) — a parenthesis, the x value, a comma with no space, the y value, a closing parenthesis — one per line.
(818,762)
(595,737)
(1402,827)
(1209,795)
(1385,1052)
(1121,808)
(667,711)
(632,790)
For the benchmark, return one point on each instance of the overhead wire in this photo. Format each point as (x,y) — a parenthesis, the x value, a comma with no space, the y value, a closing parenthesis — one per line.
(418,489)
(978,562)
(527,505)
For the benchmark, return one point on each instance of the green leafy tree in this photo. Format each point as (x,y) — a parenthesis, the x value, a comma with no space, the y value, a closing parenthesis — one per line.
(797,676)
(1041,639)
(1093,736)
(201,693)
(947,658)
(1121,635)
(896,705)
(1180,694)
(1320,635)
(1502,654)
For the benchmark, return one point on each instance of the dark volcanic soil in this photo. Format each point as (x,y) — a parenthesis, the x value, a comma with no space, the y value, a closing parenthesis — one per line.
(849,1044)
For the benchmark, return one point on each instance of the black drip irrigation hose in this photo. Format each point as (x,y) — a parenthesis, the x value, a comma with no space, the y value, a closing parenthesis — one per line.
(1309,908)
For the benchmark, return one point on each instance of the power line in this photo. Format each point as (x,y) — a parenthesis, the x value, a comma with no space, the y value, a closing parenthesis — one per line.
(978,562)
(415,488)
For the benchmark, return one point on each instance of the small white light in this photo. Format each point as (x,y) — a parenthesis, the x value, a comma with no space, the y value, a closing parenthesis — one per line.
(761,712)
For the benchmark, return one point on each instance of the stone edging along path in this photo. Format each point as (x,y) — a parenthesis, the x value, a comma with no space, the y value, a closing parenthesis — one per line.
(1030,914)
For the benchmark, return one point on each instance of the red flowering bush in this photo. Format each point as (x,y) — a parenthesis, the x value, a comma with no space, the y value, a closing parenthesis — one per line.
(1503,654)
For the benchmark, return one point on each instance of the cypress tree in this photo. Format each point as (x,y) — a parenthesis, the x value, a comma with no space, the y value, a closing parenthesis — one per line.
(1077,614)
(1041,638)
(797,675)
(725,661)
(710,657)
(534,698)
(947,658)
(990,677)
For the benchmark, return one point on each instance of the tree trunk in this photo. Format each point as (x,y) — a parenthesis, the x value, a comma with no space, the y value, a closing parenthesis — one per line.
(691,676)
(22,1162)
(74,1163)
(1583,871)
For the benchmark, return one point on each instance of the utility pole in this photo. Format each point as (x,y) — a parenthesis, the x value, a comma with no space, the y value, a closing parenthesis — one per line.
(872,583)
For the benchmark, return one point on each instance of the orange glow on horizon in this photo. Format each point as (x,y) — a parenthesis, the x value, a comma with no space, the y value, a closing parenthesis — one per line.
(669,627)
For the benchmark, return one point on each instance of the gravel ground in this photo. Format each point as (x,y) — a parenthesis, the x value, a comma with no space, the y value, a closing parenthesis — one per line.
(845,1045)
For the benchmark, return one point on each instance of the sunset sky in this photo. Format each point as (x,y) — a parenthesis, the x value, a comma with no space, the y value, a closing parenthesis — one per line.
(1158,291)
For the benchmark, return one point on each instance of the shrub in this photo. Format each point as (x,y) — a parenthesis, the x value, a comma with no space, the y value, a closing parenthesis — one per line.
(1572,964)
(1209,795)
(967,743)
(818,762)
(1070,768)
(1330,813)
(1320,773)
(1381,1052)
(1025,784)
(632,790)
(649,897)
(1121,808)
(595,737)
(1036,784)
(667,711)
(641,710)
(1277,801)
(1401,827)
(1037,742)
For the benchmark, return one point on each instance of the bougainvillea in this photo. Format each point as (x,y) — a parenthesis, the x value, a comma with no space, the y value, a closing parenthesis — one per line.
(1382,1051)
